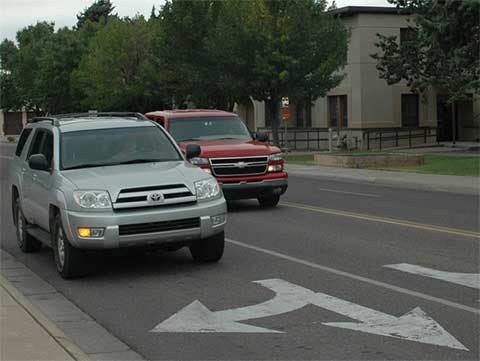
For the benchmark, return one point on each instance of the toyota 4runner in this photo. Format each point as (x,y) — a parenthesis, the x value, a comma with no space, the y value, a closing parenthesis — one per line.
(110,180)
(245,165)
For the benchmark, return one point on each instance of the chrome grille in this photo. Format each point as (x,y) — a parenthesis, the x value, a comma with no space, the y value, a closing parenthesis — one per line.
(153,196)
(241,166)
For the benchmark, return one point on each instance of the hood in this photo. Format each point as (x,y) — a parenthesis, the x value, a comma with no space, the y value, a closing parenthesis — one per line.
(232,148)
(115,178)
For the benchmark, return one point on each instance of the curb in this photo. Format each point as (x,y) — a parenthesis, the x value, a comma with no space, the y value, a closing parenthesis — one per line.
(71,348)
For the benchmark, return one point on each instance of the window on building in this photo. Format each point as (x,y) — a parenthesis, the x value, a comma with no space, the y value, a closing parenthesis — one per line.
(337,110)
(407,34)
(410,110)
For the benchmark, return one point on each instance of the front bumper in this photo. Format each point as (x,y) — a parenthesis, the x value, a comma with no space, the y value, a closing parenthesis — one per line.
(254,189)
(112,220)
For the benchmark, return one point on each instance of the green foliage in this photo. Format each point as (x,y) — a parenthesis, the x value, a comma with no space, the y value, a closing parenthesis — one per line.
(443,51)
(98,12)
(118,71)
(9,96)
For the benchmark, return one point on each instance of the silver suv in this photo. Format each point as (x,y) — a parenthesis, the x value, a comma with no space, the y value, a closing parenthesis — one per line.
(110,180)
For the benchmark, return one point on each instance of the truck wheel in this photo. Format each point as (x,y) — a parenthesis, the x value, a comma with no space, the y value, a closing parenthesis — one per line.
(25,241)
(208,249)
(70,261)
(270,201)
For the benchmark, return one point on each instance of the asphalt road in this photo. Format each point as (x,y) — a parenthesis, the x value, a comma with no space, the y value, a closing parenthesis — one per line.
(329,237)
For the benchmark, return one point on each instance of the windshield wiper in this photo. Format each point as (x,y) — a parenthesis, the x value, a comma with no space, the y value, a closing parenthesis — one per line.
(191,140)
(228,138)
(88,165)
(141,160)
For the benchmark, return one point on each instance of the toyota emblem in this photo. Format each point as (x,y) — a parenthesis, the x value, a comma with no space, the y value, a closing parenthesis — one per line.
(155,197)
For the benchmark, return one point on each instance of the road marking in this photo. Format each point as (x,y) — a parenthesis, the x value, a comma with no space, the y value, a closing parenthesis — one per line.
(398,222)
(465,279)
(4,157)
(388,286)
(346,192)
(415,325)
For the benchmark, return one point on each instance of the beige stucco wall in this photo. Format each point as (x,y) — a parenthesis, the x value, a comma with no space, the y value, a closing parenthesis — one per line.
(372,103)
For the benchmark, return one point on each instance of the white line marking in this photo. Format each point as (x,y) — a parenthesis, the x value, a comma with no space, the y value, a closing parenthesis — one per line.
(4,157)
(465,279)
(415,325)
(346,192)
(405,291)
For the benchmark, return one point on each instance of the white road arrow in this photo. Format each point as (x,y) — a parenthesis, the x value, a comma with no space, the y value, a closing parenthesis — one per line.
(414,325)
(465,279)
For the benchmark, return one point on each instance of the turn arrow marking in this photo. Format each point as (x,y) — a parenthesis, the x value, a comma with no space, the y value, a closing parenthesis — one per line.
(415,325)
(465,279)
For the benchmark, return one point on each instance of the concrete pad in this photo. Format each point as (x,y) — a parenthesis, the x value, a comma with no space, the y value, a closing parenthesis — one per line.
(22,338)
(5,299)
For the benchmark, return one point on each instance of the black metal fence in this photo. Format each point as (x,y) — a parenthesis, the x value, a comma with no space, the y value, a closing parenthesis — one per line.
(307,139)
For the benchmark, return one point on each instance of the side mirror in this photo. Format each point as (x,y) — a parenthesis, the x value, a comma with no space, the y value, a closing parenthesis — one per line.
(38,162)
(192,151)
(261,137)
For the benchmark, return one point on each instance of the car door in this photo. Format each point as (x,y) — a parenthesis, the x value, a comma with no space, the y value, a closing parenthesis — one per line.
(28,176)
(42,183)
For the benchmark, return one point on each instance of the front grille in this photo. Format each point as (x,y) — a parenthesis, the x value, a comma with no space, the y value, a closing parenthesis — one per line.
(239,166)
(153,196)
(155,227)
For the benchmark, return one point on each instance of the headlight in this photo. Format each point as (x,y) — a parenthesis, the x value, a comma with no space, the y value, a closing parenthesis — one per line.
(207,189)
(92,199)
(276,156)
(199,161)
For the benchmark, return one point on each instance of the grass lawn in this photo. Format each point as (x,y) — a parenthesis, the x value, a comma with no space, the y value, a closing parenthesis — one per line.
(446,164)
(434,164)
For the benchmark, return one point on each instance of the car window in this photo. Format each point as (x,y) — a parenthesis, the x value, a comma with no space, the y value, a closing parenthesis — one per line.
(22,141)
(208,128)
(37,142)
(47,147)
(113,146)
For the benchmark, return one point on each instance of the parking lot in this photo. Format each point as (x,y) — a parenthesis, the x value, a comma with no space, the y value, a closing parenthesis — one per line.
(337,271)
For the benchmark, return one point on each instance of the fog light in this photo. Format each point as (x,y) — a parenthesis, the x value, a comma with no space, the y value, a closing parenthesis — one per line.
(275,168)
(90,232)
(217,220)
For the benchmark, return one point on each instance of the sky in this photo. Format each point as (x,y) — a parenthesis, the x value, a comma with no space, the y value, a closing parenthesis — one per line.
(16,14)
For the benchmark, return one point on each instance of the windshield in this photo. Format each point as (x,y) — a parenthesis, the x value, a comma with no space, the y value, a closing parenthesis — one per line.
(113,146)
(208,128)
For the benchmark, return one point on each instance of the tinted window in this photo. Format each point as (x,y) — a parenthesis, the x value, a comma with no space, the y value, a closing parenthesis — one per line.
(47,147)
(22,141)
(37,142)
(208,128)
(114,146)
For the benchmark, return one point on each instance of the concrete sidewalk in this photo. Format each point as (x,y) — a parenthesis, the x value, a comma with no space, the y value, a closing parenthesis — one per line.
(443,183)
(25,334)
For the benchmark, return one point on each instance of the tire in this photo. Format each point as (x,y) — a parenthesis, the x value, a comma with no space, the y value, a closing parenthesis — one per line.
(209,249)
(26,242)
(70,261)
(270,201)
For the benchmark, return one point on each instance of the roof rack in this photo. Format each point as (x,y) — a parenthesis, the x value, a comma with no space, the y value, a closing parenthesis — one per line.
(54,119)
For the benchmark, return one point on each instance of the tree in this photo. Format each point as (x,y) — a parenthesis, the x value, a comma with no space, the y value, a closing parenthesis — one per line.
(98,12)
(118,72)
(9,98)
(442,50)
(277,48)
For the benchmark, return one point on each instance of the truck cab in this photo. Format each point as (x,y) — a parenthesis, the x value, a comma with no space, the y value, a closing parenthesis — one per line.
(244,163)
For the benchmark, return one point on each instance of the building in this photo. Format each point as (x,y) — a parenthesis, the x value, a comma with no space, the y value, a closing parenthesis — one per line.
(364,103)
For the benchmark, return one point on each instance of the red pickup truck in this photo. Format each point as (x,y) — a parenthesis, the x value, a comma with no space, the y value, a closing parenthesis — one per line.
(244,163)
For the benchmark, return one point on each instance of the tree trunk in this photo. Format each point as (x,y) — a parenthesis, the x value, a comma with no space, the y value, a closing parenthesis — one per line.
(274,109)
(454,124)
